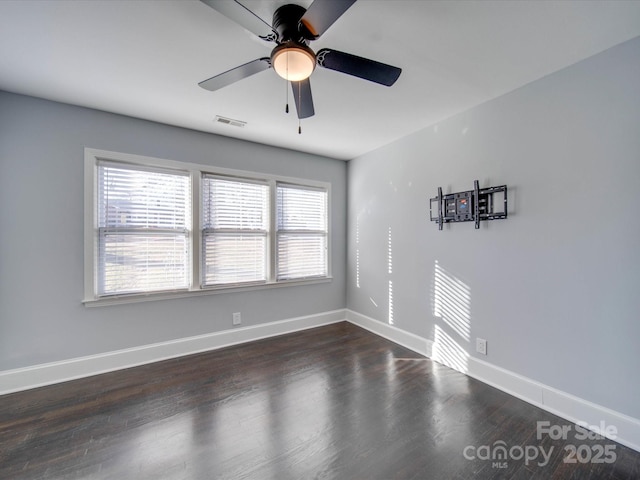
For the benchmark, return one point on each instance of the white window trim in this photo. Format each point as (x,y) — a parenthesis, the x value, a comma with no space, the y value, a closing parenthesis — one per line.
(91,158)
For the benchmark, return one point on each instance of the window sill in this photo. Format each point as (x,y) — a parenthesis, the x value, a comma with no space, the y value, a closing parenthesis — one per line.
(151,297)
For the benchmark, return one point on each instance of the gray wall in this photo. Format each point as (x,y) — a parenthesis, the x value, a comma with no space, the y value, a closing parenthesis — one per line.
(555,288)
(41,234)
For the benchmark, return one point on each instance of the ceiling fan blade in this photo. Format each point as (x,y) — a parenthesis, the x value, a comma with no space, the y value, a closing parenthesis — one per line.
(358,66)
(236,74)
(244,17)
(321,14)
(303,98)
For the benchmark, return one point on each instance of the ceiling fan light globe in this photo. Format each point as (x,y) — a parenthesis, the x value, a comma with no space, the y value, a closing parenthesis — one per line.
(293,62)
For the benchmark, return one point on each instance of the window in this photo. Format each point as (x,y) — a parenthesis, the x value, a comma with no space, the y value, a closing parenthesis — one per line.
(143,230)
(159,228)
(235,221)
(302,232)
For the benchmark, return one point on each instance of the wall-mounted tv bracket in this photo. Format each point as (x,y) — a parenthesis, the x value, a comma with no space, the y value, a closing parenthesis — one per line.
(473,205)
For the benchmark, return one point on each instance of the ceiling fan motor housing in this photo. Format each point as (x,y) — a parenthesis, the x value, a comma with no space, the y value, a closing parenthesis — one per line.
(286,21)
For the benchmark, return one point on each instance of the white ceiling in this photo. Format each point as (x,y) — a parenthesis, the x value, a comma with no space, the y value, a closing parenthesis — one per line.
(145,58)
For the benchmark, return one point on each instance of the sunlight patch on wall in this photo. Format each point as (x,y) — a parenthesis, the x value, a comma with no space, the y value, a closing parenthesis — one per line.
(358,251)
(452,304)
(390,271)
(390,302)
(452,301)
(448,352)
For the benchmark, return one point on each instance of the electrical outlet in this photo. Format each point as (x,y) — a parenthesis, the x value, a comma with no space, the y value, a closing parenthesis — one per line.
(237,318)
(481,346)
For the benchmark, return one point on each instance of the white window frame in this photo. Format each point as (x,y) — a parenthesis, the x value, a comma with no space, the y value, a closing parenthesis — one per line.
(238,231)
(195,172)
(315,233)
(148,230)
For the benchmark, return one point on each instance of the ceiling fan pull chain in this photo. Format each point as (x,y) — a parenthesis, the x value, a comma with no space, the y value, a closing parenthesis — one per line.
(300,105)
(286,87)
(286,108)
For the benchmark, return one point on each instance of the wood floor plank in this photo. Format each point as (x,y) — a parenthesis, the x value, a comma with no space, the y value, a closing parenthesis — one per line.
(334,402)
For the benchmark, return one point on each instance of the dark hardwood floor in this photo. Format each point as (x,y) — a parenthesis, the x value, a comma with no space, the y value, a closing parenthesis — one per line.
(334,402)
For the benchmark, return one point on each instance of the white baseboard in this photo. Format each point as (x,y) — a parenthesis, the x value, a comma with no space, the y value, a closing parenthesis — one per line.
(562,404)
(55,372)
(406,339)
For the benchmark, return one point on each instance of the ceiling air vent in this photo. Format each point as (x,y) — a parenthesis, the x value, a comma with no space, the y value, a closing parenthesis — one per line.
(229,121)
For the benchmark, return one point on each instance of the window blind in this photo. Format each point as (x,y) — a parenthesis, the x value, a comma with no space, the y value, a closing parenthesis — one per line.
(144,218)
(302,224)
(235,221)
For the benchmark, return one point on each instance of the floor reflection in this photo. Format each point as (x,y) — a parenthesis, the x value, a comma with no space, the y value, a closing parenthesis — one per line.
(332,402)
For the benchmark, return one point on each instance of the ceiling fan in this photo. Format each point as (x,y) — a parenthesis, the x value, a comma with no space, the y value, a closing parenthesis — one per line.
(292,28)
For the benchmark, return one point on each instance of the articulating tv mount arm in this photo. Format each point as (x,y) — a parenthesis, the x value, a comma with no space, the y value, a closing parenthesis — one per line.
(473,205)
